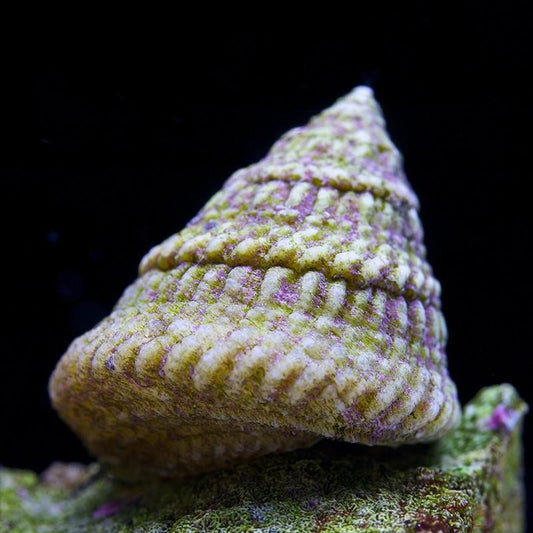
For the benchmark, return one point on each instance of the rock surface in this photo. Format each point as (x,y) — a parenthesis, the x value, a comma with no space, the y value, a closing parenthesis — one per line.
(469,481)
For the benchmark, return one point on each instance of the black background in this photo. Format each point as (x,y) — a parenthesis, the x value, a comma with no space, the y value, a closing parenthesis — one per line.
(106,150)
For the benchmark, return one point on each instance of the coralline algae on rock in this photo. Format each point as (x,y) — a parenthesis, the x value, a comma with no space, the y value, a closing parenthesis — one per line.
(298,304)
(470,481)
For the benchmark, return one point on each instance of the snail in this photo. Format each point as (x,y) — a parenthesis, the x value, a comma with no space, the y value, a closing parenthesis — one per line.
(297,305)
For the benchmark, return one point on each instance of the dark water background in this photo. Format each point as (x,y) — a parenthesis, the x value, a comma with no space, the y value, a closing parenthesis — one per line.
(106,151)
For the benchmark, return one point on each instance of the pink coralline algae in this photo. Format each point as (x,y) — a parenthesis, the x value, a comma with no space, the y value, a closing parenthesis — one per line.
(503,418)
(109,509)
(298,304)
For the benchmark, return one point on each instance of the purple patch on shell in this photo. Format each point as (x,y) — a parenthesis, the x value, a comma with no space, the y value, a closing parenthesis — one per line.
(288,293)
(110,362)
(306,206)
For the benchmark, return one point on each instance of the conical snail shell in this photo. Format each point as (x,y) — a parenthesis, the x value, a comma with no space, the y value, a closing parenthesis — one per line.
(296,305)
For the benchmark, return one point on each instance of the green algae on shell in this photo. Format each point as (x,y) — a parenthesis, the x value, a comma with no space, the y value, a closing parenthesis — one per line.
(297,305)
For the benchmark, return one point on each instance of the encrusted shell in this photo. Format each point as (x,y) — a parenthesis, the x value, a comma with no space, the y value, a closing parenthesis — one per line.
(296,305)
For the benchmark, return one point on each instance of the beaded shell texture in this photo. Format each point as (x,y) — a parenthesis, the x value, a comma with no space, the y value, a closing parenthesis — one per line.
(297,305)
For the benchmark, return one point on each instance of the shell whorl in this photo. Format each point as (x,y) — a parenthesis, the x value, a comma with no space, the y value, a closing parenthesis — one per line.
(298,304)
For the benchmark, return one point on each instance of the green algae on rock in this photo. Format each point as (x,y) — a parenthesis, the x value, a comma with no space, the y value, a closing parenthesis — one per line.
(470,481)
(297,305)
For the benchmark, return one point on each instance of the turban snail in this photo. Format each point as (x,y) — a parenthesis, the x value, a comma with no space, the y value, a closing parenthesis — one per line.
(297,305)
